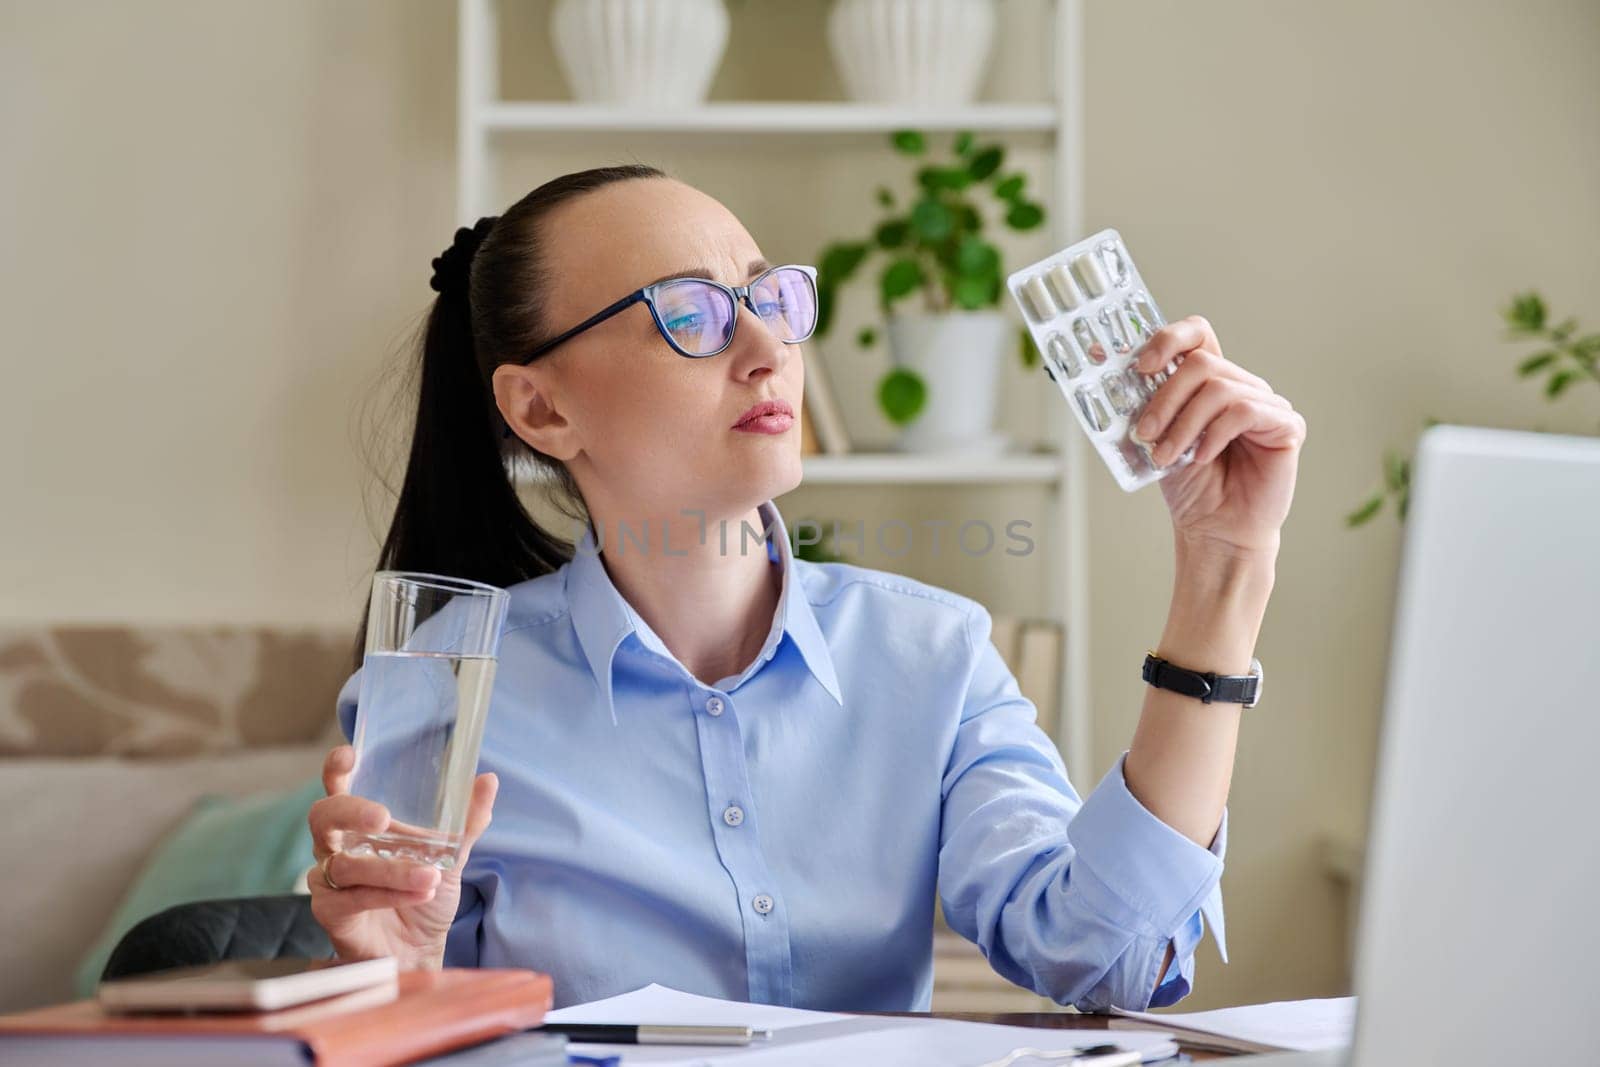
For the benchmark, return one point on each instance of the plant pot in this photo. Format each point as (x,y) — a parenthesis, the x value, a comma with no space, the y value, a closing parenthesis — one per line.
(643,53)
(958,355)
(918,52)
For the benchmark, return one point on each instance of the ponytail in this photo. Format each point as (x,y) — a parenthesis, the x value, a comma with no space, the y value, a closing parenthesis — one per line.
(459,513)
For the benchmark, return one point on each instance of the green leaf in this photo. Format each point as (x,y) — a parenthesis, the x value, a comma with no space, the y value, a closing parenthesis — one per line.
(819,550)
(1010,188)
(1394,471)
(885,197)
(1559,381)
(973,291)
(910,142)
(899,278)
(825,298)
(1024,215)
(839,262)
(938,179)
(892,234)
(902,394)
(867,337)
(963,143)
(1027,351)
(1535,363)
(1402,505)
(986,162)
(976,256)
(1366,511)
(931,220)
(815,553)
(1526,313)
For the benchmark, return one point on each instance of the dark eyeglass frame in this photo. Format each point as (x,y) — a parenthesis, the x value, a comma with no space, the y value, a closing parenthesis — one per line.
(738,294)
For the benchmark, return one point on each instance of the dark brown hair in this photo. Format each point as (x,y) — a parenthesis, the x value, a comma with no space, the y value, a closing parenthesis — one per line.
(458,513)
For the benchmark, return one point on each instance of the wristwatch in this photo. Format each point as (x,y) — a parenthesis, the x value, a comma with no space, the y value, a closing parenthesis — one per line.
(1209,687)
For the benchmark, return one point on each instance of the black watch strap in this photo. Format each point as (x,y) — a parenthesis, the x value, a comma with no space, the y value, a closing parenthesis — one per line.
(1207,686)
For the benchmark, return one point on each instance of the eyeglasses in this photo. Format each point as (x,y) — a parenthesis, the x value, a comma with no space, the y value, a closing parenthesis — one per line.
(697,316)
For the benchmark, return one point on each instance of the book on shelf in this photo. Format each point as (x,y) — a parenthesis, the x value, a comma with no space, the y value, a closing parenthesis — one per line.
(1039,670)
(423,1013)
(1003,631)
(821,404)
(809,445)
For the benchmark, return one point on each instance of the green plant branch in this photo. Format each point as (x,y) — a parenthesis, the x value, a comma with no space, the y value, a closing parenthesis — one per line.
(1570,357)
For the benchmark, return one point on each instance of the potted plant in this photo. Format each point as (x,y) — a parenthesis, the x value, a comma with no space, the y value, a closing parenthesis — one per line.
(939,290)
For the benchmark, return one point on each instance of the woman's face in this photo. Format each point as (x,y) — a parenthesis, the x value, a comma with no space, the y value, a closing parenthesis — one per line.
(647,432)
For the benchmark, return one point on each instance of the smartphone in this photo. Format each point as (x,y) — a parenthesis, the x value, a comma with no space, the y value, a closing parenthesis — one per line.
(245,985)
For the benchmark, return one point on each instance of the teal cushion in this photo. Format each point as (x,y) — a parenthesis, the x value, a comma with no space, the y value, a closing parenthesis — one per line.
(227,847)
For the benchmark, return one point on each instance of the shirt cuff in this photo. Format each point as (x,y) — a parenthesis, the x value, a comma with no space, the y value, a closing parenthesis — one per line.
(1152,879)
(1180,973)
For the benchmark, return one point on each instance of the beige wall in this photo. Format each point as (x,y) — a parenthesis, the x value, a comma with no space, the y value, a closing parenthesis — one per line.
(218,219)
(1349,192)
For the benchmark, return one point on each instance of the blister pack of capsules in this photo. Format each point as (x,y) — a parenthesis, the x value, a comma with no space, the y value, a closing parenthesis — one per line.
(1089,311)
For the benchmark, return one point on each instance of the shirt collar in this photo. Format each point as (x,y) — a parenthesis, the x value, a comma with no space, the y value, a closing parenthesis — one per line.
(603,618)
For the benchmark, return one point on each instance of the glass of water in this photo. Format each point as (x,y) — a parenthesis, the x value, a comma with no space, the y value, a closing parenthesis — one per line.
(425,684)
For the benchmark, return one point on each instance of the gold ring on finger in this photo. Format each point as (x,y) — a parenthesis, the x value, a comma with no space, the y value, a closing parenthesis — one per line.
(327,878)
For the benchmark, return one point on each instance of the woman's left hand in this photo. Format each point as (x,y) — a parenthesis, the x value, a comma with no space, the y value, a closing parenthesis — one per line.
(1233,498)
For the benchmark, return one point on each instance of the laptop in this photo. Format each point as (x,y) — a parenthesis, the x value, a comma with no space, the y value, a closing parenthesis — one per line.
(1479,940)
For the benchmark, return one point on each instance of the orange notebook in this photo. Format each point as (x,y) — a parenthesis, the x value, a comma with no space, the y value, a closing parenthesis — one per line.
(429,1013)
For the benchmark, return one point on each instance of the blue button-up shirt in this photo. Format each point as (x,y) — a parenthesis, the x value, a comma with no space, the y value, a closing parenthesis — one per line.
(780,835)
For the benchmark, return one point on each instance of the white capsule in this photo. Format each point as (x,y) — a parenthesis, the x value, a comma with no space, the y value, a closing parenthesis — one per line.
(1091,273)
(1038,297)
(1066,290)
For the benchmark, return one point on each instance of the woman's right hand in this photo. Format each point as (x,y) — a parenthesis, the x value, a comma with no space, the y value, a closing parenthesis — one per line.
(383,907)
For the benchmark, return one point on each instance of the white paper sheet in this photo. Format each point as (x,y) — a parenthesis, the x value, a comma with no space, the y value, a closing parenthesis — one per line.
(1287,1025)
(808,1038)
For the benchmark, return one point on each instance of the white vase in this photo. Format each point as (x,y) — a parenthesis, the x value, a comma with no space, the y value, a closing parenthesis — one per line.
(958,355)
(643,53)
(918,52)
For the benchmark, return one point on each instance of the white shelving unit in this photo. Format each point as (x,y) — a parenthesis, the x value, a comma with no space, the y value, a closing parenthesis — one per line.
(483,118)
(764,118)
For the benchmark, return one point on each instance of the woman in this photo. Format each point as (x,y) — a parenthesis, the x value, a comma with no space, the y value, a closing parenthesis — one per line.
(686,797)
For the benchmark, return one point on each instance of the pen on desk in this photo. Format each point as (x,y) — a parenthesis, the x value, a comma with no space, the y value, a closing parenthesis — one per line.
(617,1034)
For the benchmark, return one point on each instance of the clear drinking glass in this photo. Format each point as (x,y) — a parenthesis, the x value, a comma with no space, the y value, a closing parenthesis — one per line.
(425,683)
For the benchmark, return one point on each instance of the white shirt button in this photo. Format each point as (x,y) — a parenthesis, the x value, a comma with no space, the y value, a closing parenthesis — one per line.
(714,706)
(762,904)
(733,815)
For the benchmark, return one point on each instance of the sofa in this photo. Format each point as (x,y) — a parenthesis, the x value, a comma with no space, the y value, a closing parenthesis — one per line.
(114,741)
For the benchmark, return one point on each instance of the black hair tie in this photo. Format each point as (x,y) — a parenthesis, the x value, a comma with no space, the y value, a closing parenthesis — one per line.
(452,268)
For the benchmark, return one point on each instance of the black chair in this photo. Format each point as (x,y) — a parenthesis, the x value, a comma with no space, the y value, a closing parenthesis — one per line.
(209,931)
